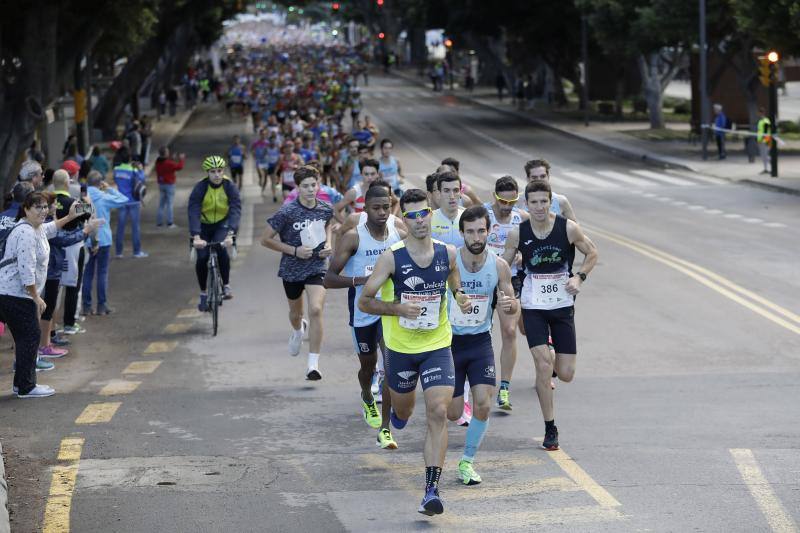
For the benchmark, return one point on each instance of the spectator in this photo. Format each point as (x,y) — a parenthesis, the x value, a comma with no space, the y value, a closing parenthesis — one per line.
(162,104)
(20,190)
(126,177)
(99,161)
(146,133)
(134,138)
(172,101)
(165,172)
(104,198)
(764,138)
(500,83)
(720,124)
(32,171)
(72,169)
(23,271)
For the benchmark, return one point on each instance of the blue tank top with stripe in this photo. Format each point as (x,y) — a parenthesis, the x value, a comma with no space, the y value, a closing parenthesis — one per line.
(481,284)
(361,264)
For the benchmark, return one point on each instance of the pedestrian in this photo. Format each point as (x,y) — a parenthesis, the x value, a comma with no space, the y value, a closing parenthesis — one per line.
(165,172)
(99,161)
(172,101)
(146,133)
(720,125)
(162,104)
(500,83)
(127,177)
(23,271)
(764,138)
(134,138)
(104,198)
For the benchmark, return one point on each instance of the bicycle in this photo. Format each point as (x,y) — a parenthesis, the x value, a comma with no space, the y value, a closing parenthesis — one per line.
(214,285)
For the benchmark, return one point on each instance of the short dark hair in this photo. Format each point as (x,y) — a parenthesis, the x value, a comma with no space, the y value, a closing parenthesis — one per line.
(533,163)
(386,141)
(378,189)
(362,146)
(446,177)
(471,214)
(368,163)
(21,190)
(380,183)
(412,196)
(452,162)
(124,155)
(505,184)
(31,200)
(430,181)
(538,186)
(305,172)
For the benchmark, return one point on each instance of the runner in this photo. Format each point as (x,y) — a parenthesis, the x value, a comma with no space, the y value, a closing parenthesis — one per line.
(288,163)
(303,227)
(357,252)
(354,197)
(466,190)
(417,332)
(259,147)
(214,211)
(504,217)
(547,243)
(482,274)
(237,153)
(390,168)
(539,170)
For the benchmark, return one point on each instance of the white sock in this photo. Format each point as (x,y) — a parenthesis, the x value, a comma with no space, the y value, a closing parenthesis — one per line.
(313,361)
(466,391)
(381,369)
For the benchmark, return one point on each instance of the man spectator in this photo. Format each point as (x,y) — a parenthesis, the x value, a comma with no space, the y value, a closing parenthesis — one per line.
(720,124)
(165,172)
(32,171)
(72,169)
(104,198)
(127,177)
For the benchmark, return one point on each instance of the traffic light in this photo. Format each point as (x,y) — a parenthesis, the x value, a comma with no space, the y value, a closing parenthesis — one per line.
(448,43)
(379,2)
(768,67)
(381,35)
(335,6)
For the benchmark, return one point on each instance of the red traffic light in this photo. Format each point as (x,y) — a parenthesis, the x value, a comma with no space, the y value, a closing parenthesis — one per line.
(335,6)
(381,35)
(448,43)
(379,2)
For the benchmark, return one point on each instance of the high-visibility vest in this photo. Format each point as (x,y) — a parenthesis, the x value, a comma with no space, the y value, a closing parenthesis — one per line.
(764,130)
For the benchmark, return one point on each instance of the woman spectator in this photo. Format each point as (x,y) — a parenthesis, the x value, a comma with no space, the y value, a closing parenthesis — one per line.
(23,271)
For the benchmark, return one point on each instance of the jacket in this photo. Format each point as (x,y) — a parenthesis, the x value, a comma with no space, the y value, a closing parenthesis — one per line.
(166,168)
(196,205)
(104,202)
(126,177)
(62,240)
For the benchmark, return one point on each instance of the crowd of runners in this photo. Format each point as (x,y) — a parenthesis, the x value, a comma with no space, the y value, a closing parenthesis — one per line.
(426,270)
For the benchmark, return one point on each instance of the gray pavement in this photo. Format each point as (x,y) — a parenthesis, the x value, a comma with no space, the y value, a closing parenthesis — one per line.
(682,416)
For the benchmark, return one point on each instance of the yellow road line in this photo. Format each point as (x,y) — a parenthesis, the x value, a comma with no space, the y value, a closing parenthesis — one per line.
(160,347)
(177,327)
(98,413)
(189,313)
(119,386)
(777,517)
(141,367)
(582,479)
(678,264)
(62,486)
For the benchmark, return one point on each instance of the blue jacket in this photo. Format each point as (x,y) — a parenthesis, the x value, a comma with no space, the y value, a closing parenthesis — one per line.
(721,121)
(104,202)
(63,239)
(125,176)
(8,217)
(196,205)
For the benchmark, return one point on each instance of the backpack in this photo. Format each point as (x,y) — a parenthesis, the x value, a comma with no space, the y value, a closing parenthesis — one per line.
(5,233)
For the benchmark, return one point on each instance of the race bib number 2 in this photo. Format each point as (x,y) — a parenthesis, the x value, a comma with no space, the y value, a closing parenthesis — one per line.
(429,315)
(475,316)
(546,291)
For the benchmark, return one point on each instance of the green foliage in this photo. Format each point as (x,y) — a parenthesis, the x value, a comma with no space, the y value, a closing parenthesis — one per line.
(773,23)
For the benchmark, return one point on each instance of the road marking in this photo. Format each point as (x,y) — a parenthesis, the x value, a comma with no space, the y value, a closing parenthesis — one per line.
(177,327)
(98,413)
(62,486)
(696,207)
(712,280)
(591,180)
(501,144)
(619,176)
(732,215)
(559,183)
(119,386)
(583,480)
(753,220)
(141,367)
(680,203)
(160,347)
(775,225)
(671,180)
(714,211)
(189,313)
(769,504)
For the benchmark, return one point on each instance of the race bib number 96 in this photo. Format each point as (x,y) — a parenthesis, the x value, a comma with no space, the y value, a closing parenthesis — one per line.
(475,316)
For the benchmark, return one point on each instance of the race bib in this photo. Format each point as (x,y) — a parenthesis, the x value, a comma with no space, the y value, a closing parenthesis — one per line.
(236,160)
(288,177)
(428,317)
(368,269)
(475,316)
(546,291)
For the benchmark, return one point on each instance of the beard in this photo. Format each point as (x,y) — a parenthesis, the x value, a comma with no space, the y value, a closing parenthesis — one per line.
(477,248)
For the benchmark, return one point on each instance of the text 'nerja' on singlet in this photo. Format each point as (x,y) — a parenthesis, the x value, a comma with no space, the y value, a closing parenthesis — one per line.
(479,287)
(362,263)
(547,264)
(426,287)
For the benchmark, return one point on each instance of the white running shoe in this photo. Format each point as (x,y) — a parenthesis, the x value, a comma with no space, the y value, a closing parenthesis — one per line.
(296,339)
(375,387)
(39,391)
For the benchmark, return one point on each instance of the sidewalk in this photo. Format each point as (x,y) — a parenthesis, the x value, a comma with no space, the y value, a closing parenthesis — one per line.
(616,137)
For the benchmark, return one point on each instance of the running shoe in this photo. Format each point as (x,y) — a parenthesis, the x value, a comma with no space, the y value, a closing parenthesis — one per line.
(227,293)
(503,400)
(398,423)
(141,255)
(467,473)
(550,441)
(72,330)
(375,387)
(42,365)
(202,306)
(39,391)
(51,352)
(313,374)
(371,414)
(59,340)
(385,440)
(431,503)
(296,339)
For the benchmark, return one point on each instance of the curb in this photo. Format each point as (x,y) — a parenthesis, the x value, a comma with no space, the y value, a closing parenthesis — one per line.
(5,525)
(774,187)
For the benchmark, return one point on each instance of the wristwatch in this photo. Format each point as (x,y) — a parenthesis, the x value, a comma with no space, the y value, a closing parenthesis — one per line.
(581,275)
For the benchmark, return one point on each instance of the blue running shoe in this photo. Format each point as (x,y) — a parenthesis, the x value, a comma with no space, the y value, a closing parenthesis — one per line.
(431,503)
(202,306)
(397,422)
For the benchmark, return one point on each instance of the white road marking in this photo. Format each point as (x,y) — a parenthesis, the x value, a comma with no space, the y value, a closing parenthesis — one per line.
(714,211)
(732,215)
(696,207)
(591,180)
(753,220)
(664,178)
(775,225)
(619,176)
(501,144)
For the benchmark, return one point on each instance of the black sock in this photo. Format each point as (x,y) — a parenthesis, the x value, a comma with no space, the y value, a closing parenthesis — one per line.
(549,424)
(363,399)
(554,374)
(432,474)
(505,385)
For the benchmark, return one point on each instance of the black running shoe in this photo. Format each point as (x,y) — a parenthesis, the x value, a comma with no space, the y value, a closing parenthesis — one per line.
(550,441)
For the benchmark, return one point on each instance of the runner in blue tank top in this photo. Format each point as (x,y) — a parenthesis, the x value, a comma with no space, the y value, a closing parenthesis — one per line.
(390,168)
(539,170)
(547,243)
(356,253)
(484,276)
(237,153)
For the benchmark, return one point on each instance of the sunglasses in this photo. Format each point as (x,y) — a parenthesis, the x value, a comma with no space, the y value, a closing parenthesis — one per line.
(422,213)
(507,202)
(41,207)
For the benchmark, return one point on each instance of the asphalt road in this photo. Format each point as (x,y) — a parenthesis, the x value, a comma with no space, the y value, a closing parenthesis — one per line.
(684,413)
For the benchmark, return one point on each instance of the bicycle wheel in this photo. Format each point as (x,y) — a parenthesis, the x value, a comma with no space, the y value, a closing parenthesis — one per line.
(213,297)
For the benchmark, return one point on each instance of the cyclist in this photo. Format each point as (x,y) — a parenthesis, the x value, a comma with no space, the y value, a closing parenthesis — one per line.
(214,211)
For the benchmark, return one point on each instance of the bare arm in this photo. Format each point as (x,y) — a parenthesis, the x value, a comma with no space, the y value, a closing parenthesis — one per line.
(512,241)
(587,248)
(472,196)
(505,296)
(454,281)
(367,301)
(345,249)
(566,209)
(350,222)
(270,239)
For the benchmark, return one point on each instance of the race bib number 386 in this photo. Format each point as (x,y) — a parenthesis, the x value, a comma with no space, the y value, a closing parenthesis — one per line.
(546,291)
(429,314)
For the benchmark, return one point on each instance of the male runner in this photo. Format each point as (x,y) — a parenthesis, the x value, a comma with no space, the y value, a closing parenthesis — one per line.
(368,170)
(539,170)
(466,190)
(305,233)
(390,167)
(237,153)
(482,274)
(504,217)
(259,147)
(357,252)
(413,276)
(547,243)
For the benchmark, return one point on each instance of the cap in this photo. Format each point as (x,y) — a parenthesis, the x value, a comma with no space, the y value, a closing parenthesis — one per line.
(115,145)
(28,170)
(72,167)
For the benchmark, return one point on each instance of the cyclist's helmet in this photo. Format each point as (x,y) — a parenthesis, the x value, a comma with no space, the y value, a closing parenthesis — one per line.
(213,161)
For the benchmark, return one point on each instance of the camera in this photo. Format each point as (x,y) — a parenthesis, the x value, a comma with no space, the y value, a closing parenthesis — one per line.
(84,209)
